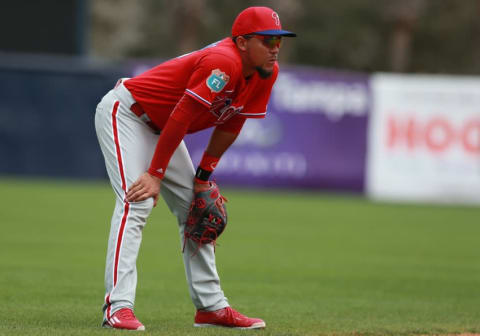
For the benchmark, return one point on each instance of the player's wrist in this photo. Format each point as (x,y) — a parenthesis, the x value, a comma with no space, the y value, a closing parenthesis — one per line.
(206,167)
(202,175)
(156,174)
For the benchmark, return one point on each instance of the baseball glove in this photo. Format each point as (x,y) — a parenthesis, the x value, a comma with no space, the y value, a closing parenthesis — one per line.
(207,217)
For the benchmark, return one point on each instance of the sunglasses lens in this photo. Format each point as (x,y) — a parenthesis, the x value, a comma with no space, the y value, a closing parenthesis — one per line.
(272,41)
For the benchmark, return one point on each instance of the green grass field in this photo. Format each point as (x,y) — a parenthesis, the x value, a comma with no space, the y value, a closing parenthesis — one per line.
(308,263)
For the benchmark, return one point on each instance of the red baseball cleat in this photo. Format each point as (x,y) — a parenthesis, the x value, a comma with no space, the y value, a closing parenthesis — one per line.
(227,317)
(124,319)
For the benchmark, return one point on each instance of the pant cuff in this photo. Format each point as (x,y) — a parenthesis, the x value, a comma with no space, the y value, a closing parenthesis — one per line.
(222,304)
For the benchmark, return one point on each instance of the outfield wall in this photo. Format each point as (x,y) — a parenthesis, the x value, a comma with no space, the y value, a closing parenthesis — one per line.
(393,137)
(47,106)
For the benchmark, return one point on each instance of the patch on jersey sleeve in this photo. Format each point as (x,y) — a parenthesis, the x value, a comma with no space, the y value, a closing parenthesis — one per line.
(217,80)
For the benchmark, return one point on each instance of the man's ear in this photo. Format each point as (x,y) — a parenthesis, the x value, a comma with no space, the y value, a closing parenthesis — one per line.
(241,43)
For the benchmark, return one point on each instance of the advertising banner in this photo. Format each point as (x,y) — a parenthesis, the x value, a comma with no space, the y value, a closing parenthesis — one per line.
(424,139)
(314,135)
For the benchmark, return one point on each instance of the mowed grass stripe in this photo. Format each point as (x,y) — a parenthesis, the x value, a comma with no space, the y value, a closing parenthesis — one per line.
(308,263)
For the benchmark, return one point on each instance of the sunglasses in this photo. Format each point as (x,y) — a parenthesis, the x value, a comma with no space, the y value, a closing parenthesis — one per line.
(269,41)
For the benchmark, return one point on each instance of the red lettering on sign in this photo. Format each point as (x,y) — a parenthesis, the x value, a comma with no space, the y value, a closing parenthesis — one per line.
(401,131)
(438,134)
(471,136)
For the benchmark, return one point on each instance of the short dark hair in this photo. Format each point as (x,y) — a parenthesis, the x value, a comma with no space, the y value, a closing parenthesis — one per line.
(248,36)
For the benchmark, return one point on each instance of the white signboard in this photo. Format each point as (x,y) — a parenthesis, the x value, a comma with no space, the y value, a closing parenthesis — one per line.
(424,139)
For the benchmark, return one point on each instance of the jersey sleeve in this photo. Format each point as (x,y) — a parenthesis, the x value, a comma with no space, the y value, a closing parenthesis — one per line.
(213,74)
(256,107)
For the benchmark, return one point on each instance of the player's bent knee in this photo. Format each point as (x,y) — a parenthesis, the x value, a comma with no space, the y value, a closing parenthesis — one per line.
(142,208)
(143,205)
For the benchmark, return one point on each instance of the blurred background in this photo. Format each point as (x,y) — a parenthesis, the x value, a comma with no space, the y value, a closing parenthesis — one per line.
(375,98)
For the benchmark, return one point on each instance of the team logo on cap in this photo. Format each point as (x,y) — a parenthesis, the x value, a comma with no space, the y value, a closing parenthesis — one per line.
(276,18)
(217,80)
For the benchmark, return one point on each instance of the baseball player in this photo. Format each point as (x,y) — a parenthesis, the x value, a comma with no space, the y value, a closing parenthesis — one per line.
(140,125)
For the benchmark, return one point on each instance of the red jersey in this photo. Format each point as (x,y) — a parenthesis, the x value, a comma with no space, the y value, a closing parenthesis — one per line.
(213,77)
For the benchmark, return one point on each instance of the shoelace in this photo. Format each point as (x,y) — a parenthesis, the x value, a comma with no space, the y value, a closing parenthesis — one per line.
(127,314)
(233,315)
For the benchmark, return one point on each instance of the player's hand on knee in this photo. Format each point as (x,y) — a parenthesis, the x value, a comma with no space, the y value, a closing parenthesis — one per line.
(144,187)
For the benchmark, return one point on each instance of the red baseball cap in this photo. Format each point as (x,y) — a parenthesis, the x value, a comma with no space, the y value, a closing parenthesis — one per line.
(260,21)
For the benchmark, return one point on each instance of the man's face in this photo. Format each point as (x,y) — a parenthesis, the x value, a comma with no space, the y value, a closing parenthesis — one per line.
(262,53)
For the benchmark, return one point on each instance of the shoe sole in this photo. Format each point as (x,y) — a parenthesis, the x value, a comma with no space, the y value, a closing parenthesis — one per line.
(259,325)
(108,326)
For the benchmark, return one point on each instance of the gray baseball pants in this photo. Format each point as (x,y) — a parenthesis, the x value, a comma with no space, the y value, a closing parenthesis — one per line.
(128,144)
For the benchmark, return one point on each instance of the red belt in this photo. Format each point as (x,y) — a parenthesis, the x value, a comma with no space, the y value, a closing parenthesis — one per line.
(139,112)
